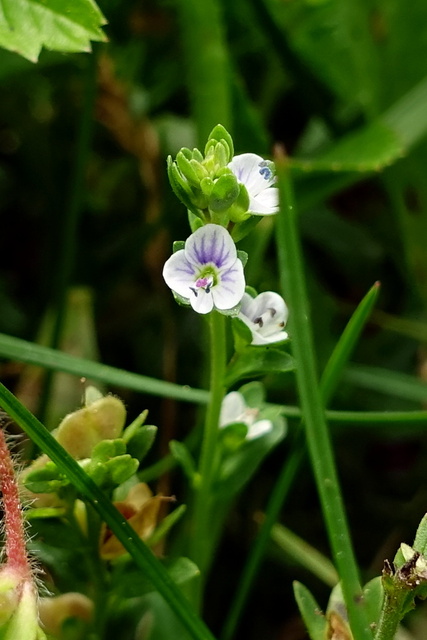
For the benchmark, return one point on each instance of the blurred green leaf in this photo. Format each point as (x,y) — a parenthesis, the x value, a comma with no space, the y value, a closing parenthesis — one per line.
(241,465)
(28,25)
(133,583)
(256,361)
(392,383)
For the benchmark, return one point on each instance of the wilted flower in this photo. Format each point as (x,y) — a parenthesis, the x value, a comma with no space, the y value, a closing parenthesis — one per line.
(234,409)
(56,610)
(141,510)
(266,316)
(258,176)
(207,273)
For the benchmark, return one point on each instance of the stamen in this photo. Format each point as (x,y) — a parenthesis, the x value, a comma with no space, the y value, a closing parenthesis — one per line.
(265,170)
(259,321)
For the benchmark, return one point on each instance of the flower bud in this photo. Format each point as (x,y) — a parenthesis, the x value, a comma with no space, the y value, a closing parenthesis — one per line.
(18,607)
(224,193)
(81,431)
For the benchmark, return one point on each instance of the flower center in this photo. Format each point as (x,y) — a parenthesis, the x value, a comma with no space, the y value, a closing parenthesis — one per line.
(266,169)
(206,279)
(269,322)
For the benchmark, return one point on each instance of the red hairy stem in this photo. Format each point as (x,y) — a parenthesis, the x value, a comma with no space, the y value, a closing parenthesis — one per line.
(16,552)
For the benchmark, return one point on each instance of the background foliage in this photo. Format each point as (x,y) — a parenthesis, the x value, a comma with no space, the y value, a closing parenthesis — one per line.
(89,218)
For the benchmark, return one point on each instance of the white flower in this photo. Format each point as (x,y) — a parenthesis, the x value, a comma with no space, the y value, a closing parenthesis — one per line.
(266,317)
(207,273)
(258,176)
(234,409)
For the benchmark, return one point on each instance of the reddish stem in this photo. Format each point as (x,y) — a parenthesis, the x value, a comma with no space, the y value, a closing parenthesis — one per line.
(16,552)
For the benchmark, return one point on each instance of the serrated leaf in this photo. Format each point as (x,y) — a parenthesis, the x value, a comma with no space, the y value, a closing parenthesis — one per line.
(59,25)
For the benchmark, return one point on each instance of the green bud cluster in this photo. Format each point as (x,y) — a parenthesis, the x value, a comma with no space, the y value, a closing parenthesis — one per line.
(205,184)
(95,436)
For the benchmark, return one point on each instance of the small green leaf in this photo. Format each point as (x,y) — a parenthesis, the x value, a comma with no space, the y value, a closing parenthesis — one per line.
(420,542)
(373,596)
(142,441)
(108,449)
(233,435)
(243,256)
(256,361)
(45,512)
(59,25)
(224,193)
(178,245)
(166,524)
(242,334)
(133,583)
(184,458)
(238,467)
(121,468)
(220,134)
(46,480)
(310,611)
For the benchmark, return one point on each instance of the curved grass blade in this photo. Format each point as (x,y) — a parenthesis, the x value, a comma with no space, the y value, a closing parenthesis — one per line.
(23,351)
(142,556)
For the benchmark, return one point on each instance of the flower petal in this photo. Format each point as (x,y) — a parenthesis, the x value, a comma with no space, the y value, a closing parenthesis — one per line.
(211,244)
(231,287)
(179,274)
(260,428)
(266,316)
(232,409)
(266,203)
(201,301)
(258,339)
(246,167)
(255,307)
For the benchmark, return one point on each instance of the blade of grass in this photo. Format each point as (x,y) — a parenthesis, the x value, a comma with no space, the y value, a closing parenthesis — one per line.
(329,381)
(304,554)
(392,383)
(316,431)
(23,351)
(142,556)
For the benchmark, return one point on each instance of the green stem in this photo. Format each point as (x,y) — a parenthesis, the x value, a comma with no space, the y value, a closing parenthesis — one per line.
(200,543)
(207,64)
(317,435)
(391,615)
(292,465)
